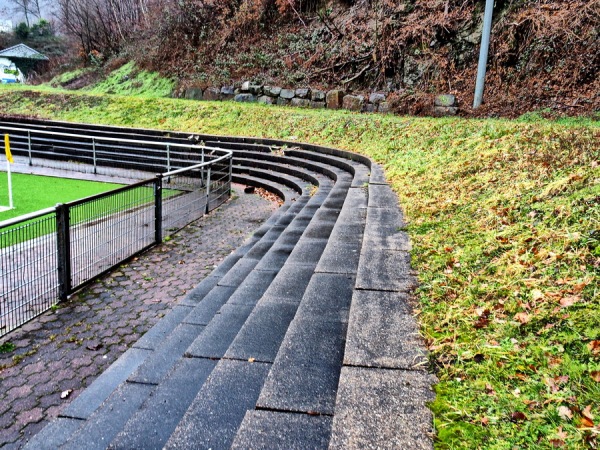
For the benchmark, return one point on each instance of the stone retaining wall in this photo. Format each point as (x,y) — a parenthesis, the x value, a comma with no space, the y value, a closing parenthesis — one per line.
(309,98)
(301,97)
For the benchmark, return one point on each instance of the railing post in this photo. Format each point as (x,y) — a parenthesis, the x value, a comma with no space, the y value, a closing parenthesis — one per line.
(202,169)
(230,175)
(158,209)
(63,242)
(94,154)
(208,189)
(29,146)
(168,158)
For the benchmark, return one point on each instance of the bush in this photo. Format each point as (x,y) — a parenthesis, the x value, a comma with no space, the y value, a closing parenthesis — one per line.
(22,31)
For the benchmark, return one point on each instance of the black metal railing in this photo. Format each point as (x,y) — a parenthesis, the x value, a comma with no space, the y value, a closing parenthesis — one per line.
(48,255)
(103,155)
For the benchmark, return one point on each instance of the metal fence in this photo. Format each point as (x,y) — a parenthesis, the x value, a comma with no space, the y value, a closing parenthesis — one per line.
(103,155)
(48,255)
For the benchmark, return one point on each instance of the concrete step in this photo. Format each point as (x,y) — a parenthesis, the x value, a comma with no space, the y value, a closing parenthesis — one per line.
(292,340)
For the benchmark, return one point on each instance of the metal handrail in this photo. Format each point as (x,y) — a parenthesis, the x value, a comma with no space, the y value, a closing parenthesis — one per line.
(106,139)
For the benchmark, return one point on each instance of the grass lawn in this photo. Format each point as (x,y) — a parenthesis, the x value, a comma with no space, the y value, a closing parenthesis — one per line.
(504,218)
(32,192)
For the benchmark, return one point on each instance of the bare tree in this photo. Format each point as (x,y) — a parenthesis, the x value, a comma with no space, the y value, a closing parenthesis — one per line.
(31,9)
(101,25)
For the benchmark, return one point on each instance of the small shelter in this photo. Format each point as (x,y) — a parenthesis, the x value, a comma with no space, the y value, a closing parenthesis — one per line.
(9,73)
(25,58)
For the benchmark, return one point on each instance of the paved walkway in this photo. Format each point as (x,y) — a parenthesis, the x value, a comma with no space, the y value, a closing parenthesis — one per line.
(62,352)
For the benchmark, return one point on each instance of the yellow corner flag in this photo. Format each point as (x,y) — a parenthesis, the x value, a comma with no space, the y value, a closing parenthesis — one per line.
(9,157)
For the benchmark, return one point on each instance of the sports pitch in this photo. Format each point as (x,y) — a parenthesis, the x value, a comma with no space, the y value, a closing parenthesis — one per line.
(34,192)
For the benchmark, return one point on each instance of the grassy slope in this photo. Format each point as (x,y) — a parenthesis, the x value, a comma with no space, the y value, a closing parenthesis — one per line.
(504,217)
(125,80)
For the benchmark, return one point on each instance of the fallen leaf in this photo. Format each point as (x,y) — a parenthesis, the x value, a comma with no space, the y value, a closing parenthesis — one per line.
(552,385)
(251,359)
(517,392)
(561,434)
(565,412)
(485,421)
(65,394)
(594,347)
(595,374)
(568,301)
(587,412)
(536,294)
(522,317)
(586,423)
(557,443)
(518,416)
(587,419)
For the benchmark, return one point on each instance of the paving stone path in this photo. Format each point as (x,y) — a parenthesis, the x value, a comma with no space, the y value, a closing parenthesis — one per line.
(66,349)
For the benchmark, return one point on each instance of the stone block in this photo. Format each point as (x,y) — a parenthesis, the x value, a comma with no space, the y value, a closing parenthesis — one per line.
(317,105)
(272,91)
(212,94)
(255,89)
(213,418)
(441,111)
(376,98)
(282,101)
(334,99)
(288,94)
(227,92)
(317,96)
(397,417)
(193,94)
(383,333)
(245,87)
(446,100)
(269,429)
(306,371)
(369,108)
(265,99)
(384,108)
(353,102)
(300,102)
(303,93)
(245,98)
(262,334)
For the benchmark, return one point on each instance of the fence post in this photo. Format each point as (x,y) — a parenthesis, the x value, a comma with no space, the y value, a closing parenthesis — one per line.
(94,154)
(63,242)
(29,146)
(158,209)
(208,189)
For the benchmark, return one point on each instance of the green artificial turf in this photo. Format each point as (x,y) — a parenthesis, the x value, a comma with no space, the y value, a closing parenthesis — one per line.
(33,193)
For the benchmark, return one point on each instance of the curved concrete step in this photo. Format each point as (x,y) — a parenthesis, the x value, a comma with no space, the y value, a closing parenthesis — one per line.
(153,369)
(308,333)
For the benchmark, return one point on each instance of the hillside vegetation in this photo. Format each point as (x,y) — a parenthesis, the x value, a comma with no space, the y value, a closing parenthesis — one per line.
(545,54)
(504,218)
